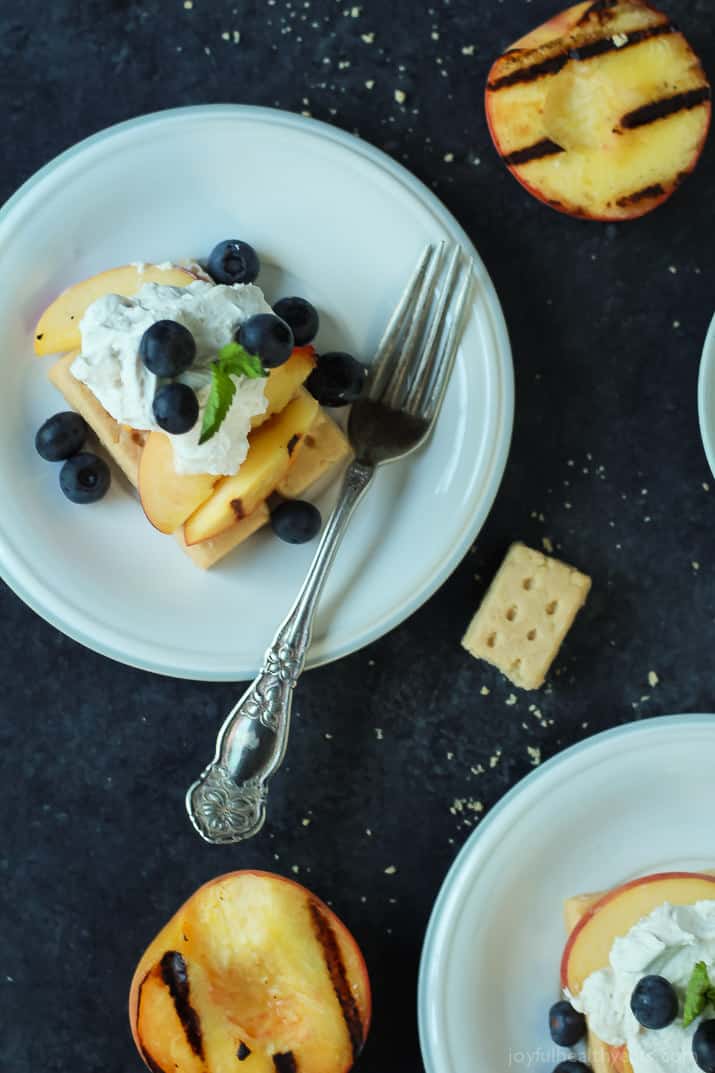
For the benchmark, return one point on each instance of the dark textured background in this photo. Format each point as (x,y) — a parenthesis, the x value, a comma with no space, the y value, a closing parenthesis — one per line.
(607,323)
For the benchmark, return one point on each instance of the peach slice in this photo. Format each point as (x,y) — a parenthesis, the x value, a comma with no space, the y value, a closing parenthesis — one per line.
(602,111)
(253,973)
(58,327)
(611,916)
(267,462)
(168,497)
(283,382)
(320,451)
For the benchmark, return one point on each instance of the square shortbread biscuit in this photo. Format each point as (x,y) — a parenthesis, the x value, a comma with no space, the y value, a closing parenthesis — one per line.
(525,615)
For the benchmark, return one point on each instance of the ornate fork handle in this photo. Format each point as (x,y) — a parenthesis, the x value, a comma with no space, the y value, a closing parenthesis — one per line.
(227,802)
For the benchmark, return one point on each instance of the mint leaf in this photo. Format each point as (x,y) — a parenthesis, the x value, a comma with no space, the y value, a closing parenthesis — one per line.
(233,360)
(218,403)
(697,993)
(236,360)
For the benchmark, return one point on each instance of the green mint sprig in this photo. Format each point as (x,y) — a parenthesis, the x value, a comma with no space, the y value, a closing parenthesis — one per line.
(233,360)
(698,994)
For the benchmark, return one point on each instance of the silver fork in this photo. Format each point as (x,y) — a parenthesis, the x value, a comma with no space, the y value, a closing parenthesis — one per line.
(392,418)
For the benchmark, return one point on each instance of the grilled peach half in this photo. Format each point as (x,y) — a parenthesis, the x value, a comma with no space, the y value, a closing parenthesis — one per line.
(602,111)
(253,973)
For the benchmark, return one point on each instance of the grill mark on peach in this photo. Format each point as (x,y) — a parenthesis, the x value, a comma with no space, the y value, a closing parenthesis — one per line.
(285,1063)
(292,444)
(338,976)
(606,44)
(237,508)
(243,1052)
(655,190)
(553,64)
(666,106)
(539,149)
(550,66)
(148,1060)
(175,975)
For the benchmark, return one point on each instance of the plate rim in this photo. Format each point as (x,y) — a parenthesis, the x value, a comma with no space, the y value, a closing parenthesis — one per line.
(449,895)
(503,429)
(706,374)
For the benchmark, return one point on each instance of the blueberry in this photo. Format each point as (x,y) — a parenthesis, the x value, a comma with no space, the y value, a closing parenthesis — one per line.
(267,336)
(176,408)
(566,1025)
(167,348)
(571,1065)
(296,521)
(337,379)
(654,1003)
(84,478)
(300,316)
(61,436)
(704,1046)
(233,261)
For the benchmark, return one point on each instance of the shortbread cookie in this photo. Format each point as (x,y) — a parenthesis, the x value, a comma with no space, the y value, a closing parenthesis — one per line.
(123,444)
(324,448)
(525,615)
(208,552)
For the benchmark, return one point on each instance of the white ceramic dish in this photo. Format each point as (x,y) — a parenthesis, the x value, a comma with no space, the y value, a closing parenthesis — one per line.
(631,801)
(706,396)
(333,219)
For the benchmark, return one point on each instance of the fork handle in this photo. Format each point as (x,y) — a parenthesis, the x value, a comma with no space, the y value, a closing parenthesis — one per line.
(227,802)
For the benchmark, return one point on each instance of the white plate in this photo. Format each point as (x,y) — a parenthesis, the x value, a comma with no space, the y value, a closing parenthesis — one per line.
(333,219)
(706,396)
(631,801)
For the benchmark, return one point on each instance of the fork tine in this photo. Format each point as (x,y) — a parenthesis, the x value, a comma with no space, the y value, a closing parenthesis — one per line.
(429,350)
(395,390)
(387,347)
(434,391)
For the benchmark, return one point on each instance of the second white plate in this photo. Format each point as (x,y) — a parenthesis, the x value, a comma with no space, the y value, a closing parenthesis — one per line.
(632,801)
(334,220)
(706,396)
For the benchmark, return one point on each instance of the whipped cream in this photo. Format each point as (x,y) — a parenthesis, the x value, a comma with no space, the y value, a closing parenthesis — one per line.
(109,363)
(668,942)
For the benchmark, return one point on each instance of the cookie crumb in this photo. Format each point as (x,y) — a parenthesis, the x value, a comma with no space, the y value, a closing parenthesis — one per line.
(400,96)
(390,870)
(653,679)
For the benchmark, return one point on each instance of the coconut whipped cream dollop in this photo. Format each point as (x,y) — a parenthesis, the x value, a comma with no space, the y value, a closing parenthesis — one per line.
(668,942)
(110,366)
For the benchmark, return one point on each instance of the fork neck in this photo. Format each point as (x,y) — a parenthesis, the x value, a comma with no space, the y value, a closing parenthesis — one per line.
(298,625)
